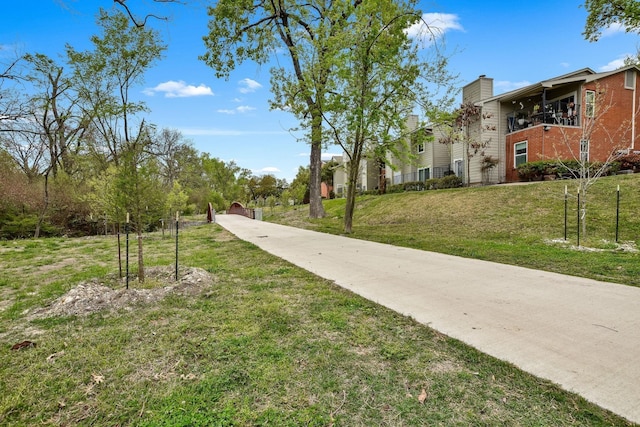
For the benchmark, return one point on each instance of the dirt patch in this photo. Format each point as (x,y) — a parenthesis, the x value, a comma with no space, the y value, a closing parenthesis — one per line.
(95,295)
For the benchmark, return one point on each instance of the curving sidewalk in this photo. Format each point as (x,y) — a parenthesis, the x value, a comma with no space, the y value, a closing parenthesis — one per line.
(579,333)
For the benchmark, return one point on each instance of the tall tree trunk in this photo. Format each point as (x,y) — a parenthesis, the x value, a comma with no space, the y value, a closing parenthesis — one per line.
(352,188)
(316,209)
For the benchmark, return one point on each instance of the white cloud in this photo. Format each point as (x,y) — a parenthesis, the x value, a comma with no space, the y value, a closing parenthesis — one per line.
(241,110)
(226,132)
(502,86)
(244,109)
(614,64)
(613,29)
(248,86)
(179,89)
(433,26)
(268,169)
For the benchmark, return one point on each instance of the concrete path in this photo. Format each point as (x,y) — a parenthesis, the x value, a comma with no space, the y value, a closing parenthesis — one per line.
(581,334)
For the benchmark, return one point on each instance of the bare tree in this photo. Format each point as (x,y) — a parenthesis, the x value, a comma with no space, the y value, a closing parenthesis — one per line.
(141,22)
(595,132)
(464,132)
(12,104)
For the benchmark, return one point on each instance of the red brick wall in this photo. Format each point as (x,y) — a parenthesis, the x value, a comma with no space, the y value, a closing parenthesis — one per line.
(611,131)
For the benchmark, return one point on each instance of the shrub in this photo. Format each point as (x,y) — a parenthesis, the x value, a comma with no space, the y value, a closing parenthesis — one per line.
(450,181)
(414,186)
(535,171)
(630,162)
(24,226)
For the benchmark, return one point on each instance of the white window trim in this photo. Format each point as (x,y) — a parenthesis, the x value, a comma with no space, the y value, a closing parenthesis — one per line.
(424,169)
(589,112)
(515,153)
(631,73)
(421,147)
(455,170)
(584,155)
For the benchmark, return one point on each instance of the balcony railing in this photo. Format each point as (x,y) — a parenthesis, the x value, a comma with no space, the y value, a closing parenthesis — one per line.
(554,113)
(437,172)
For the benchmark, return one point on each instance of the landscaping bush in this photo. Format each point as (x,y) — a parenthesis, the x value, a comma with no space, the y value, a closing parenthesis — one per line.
(24,226)
(630,162)
(450,181)
(414,186)
(535,171)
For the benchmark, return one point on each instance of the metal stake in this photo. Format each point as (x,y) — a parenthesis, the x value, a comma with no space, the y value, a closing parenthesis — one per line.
(617,212)
(578,210)
(177,224)
(126,229)
(565,212)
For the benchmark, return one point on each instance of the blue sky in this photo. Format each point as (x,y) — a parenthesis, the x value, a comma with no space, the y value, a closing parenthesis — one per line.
(515,43)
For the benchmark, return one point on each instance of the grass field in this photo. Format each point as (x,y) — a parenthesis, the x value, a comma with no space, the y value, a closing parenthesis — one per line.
(255,341)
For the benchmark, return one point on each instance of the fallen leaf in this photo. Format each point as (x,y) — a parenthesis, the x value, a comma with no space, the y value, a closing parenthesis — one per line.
(52,357)
(423,396)
(23,344)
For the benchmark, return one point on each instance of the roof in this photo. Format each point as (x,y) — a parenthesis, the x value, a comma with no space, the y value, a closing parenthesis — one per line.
(584,75)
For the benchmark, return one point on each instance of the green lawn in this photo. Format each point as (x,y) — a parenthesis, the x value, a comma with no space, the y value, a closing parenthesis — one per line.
(259,343)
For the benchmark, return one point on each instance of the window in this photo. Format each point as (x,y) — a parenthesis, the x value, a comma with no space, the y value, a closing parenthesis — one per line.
(424,174)
(590,103)
(397,177)
(421,148)
(630,79)
(458,169)
(584,150)
(520,153)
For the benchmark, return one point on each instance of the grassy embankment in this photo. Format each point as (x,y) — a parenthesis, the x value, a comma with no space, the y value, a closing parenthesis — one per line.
(512,224)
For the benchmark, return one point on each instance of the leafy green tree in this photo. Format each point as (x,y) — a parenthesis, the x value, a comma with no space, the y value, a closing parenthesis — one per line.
(299,188)
(309,33)
(176,199)
(176,155)
(139,189)
(105,77)
(226,180)
(382,77)
(602,14)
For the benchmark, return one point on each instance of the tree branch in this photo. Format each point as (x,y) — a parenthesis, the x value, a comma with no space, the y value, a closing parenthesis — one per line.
(143,23)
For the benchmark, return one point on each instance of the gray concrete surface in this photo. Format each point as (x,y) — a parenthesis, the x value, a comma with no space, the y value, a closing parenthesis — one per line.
(581,334)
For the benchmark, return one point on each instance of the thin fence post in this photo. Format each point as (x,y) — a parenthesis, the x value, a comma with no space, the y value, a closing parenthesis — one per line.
(617,212)
(578,210)
(565,212)
(177,224)
(126,228)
